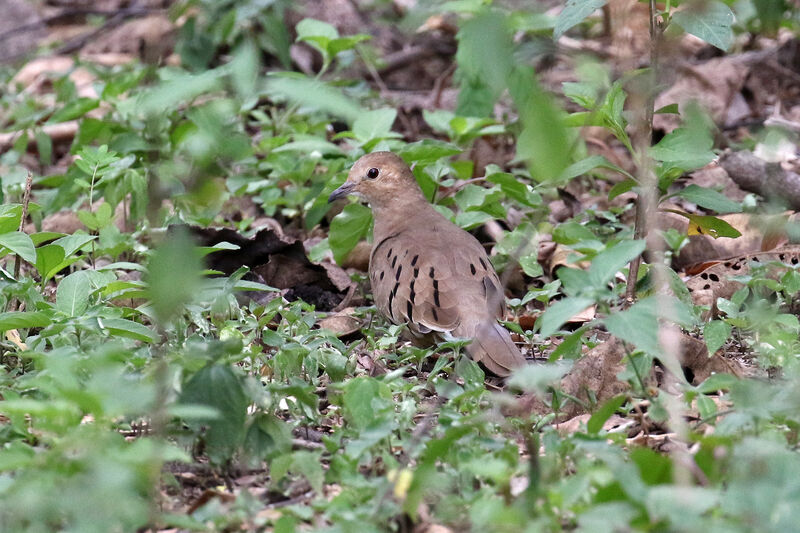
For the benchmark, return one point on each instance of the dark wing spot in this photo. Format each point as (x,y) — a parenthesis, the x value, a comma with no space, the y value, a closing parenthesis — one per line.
(397,274)
(483,264)
(394,261)
(413,294)
(704,275)
(431,273)
(713,277)
(414,261)
(435,316)
(472,269)
(436,293)
(391,298)
(416,273)
(389,253)
(794,260)
(410,311)
(782,257)
(706,287)
(382,273)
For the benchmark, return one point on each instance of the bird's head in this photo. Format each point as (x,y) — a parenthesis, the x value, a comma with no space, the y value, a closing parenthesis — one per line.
(381,178)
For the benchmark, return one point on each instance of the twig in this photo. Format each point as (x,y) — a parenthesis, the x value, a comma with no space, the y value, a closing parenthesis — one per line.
(646,200)
(26,198)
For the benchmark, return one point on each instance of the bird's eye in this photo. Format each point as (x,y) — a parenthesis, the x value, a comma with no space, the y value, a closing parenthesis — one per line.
(372,173)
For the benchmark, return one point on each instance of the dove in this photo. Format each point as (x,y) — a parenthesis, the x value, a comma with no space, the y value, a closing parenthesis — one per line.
(425,271)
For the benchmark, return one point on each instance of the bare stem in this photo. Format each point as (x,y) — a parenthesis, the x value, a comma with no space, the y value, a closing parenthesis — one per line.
(646,201)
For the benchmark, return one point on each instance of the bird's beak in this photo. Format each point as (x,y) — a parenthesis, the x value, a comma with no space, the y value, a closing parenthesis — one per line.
(341,192)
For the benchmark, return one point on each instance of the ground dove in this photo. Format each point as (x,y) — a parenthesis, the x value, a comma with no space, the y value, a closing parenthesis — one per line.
(427,272)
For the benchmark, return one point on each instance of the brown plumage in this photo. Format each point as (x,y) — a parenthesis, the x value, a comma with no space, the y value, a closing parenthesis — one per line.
(425,271)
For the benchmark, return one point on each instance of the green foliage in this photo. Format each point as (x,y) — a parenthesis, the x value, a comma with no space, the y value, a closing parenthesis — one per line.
(123,362)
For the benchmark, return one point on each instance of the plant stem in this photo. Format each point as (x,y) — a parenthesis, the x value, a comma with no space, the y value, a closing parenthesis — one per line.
(646,201)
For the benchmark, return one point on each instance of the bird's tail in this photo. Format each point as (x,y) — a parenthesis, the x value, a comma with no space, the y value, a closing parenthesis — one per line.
(492,347)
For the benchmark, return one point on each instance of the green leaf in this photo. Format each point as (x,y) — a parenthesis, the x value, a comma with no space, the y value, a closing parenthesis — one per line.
(19,243)
(595,423)
(24,319)
(612,260)
(309,27)
(573,13)
(590,163)
(74,109)
(245,68)
(621,188)
(309,464)
(572,232)
(515,189)
(129,329)
(685,148)
(427,151)
(375,124)
(347,228)
(530,265)
(715,334)
(173,275)
(72,243)
(48,259)
(669,109)
(217,386)
(363,401)
(708,225)
(639,324)
(710,199)
(72,294)
(267,437)
(544,142)
(559,312)
(10,215)
(484,58)
(711,21)
(314,94)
